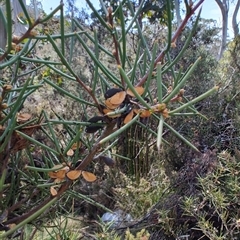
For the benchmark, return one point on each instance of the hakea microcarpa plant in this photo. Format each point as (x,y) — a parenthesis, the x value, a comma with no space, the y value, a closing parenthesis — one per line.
(120,106)
(123,105)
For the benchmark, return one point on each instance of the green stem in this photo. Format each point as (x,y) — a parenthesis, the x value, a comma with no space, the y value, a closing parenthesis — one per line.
(120,130)
(195,100)
(31,218)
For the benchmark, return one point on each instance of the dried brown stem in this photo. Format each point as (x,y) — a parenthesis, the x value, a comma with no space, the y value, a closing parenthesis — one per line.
(89,91)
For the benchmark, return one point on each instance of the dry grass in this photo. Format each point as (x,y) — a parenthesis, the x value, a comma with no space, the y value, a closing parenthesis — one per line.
(61,228)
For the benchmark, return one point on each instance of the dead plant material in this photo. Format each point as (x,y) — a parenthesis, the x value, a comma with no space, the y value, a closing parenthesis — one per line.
(18,142)
(184,185)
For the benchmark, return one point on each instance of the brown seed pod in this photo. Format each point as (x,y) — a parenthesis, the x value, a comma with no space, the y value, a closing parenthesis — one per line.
(89,177)
(4,106)
(92,128)
(139,90)
(23,117)
(110,105)
(108,161)
(129,117)
(78,163)
(53,191)
(58,174)
(143,113)
(70,152)
(7,87)
(74,174)
(110,92)
(118,98)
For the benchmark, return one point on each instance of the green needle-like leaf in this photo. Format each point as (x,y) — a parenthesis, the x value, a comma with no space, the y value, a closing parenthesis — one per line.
(195,100)
(120,130)
(159,82)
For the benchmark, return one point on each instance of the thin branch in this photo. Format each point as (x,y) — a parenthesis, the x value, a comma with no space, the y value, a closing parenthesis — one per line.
(108,130)
(115,52)
(89,91)
(27,34)
(159,58)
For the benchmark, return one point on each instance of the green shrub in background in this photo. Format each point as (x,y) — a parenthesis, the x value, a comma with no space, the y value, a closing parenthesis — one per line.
(44,155)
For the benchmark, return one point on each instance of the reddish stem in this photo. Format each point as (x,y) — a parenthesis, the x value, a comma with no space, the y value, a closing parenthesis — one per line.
(175,36)
(116,44)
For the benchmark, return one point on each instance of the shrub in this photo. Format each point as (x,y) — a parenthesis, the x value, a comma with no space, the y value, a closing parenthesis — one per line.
(45,153)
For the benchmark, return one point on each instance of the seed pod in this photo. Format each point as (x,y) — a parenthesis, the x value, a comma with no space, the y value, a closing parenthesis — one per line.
(143,113)
(53,191)
(74,174)
(7,87)
(118,98)
(101,108)
(89,177)
(92,128)
(23,117)
(96,119)
(139,90)
(129,117)
(110,105)
(78,163)
(70,152)
(112,91)
(181,92)
(108,161)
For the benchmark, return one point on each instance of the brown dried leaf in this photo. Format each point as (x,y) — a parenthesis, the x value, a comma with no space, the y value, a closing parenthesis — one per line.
(17,142)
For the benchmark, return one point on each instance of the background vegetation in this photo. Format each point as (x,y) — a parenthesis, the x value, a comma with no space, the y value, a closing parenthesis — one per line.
(131,111)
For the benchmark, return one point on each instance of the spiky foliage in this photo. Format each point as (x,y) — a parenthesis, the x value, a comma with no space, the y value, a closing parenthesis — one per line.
(43,154)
